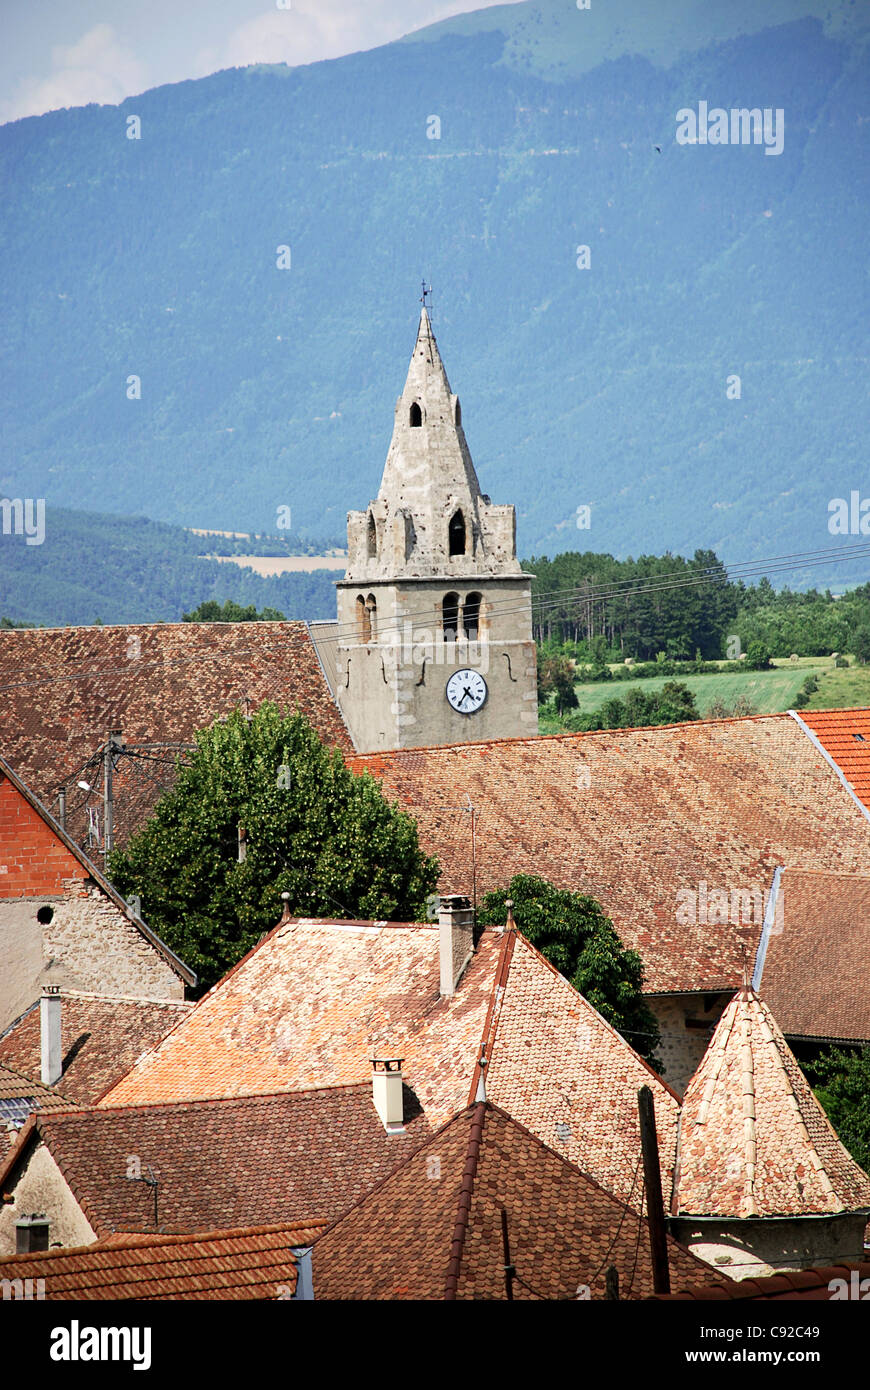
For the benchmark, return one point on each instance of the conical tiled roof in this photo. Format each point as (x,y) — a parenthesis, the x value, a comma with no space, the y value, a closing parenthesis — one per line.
(754,1140)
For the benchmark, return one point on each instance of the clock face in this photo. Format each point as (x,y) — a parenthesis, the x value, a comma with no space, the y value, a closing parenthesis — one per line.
(466,691)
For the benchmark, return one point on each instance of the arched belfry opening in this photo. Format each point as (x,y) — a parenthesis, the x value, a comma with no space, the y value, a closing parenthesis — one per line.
(471,615)
(416,416)
(450,616)
(456,534)
(372,614)
(363,620)
(371,538)
(457,413)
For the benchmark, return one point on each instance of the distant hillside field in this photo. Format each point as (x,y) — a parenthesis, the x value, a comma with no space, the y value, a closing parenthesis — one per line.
(769,692)
(219,322)
(132,570)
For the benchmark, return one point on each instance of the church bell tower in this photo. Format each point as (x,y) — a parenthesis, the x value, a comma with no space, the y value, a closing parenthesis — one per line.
(434,612)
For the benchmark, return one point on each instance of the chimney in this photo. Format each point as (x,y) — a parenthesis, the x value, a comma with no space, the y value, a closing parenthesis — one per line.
(456,940)
(387,1093)
(49,1030)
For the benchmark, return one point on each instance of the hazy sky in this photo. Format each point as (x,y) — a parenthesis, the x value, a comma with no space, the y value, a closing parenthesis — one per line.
(68,52)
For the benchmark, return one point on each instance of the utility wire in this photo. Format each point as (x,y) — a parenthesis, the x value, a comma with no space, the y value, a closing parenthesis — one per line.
(652,584)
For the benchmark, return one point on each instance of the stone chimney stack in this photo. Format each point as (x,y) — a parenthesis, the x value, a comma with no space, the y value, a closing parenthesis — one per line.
(49,1029)
(387,1093)
(456,940)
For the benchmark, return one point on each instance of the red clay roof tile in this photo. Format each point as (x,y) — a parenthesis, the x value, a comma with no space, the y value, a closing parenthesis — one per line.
(639,819)
(247,1263)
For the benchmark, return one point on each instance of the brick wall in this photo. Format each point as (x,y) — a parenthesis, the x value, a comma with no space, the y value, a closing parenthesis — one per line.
(32,858)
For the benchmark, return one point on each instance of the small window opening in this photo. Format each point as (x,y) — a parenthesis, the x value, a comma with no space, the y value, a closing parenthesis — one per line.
(456,534)
(457,414)
(363,620)
(372,613)
(44,915)
(450,616)
(416,416)
(372,537)
(31,1235)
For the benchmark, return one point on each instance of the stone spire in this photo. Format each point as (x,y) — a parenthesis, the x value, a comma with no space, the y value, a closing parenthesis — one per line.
(428,459)
(430,518)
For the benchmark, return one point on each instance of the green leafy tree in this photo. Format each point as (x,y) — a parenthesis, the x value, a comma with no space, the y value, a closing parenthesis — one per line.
(556,677)
(860,645)
(757,656)
(311,828)
(841,1081)
(673,704)
(574,934)
(211,612)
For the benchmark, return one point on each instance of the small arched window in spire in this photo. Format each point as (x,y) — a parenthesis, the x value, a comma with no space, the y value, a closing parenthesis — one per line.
(450,616)
(371,538)
(363,620)
(416,416)
(457,413)
(456,534)
(471,615)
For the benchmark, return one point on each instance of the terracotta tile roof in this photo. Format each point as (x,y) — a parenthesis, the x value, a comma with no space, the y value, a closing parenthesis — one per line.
(246,1161)
(63,689)
(754,1140)
(14,1085)
(639,819)
(845,735)
(32,867)
(813,972)
(432,1230)
(567,1075)
(311,1004)
(786,1286)
(101,1039)
(20,1096)
(246,1263)
(315,1000)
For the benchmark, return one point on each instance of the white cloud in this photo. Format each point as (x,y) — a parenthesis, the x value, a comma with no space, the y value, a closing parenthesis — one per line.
(96,68)
(316,29)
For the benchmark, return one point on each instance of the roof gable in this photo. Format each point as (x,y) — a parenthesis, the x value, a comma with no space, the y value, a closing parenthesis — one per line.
(60,859)
(566,1074)
(433,1228)
(310,1005)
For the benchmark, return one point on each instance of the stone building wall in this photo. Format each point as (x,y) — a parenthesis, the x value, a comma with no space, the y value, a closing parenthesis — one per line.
(40,1188)
(686,1022)
(751,1248)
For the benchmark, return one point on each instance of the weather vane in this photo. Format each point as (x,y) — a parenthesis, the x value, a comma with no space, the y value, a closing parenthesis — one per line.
(427,303)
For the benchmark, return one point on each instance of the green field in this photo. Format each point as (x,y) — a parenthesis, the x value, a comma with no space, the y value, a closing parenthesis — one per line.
(769,692)
(842,689)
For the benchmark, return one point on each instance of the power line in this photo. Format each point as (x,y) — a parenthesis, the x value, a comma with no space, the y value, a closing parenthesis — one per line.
(653,584)
(622,588)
